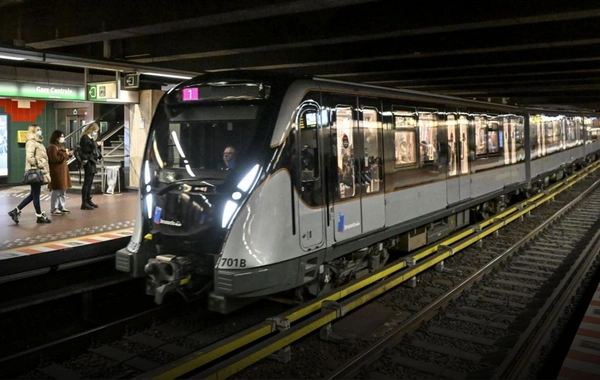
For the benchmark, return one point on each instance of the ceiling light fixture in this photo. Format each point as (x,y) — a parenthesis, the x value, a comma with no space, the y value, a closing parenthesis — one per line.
(167,75)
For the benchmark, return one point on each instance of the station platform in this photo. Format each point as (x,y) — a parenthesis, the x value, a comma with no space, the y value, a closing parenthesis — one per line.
(583,359)
(72,239)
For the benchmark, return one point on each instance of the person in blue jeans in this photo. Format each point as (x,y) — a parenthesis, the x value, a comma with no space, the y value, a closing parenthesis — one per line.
(35,158)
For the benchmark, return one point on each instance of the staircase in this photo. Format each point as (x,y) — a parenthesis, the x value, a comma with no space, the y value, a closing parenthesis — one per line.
(113,153)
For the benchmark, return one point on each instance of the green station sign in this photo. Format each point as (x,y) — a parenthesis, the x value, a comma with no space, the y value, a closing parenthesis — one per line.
(41,91)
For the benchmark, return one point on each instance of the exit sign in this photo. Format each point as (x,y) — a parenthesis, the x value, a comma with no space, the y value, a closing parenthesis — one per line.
(102,91)
(131,81)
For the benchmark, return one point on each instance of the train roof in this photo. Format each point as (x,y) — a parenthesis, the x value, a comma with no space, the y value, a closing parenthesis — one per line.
(285,80)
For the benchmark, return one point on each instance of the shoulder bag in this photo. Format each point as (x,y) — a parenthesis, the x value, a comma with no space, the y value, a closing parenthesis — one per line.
(33,176)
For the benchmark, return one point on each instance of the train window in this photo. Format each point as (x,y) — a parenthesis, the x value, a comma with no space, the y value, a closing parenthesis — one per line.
(463,143)
(481,134)
(453,145)
(371,175)
(495,139)
(573,131)
(188,142)
(308,144)
(511,138)
(579,130)
(405,139)
(428,135)
(553,133)
(592,129)
(345,151)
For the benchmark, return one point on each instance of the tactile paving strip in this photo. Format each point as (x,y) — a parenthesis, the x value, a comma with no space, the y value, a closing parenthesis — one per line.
(47,243)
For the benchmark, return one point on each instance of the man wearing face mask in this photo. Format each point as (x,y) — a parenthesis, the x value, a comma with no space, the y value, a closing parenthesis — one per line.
(59,173)
(90,156)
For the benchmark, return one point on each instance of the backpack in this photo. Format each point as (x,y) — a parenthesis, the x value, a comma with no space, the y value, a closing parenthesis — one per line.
(75,163)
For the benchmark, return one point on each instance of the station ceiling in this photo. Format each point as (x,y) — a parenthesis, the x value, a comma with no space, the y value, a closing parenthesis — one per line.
(543,53)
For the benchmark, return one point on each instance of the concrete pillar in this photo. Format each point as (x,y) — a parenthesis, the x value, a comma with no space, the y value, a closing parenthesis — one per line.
(137,124)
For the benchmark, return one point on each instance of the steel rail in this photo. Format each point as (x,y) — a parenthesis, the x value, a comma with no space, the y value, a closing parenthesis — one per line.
(83,339)
(316,313)
(351,368)
(531,342)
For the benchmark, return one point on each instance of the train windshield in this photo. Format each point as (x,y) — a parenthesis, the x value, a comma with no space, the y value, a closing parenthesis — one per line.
(202,142)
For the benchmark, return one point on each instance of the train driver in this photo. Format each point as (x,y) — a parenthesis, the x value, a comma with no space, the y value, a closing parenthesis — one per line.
(229,154)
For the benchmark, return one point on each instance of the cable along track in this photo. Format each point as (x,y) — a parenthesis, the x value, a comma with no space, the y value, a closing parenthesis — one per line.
(495,317)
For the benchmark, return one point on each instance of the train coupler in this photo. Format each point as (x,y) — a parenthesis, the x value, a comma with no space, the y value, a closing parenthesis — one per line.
(167,273)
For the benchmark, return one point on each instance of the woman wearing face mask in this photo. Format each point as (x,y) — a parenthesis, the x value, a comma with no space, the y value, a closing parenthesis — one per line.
(59,173)
(35,158)
(90,156)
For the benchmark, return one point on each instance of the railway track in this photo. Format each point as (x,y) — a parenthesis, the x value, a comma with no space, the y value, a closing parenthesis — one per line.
(235,346)
(495,323)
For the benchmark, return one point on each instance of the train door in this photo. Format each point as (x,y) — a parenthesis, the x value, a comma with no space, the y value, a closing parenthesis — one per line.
(311,204)
(462,156)
(347,218)
(453,181)
(370,168)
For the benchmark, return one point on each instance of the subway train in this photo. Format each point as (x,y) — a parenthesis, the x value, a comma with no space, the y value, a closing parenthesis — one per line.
(329,179)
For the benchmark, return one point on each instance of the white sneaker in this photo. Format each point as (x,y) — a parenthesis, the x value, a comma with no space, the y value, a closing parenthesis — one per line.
(57,212)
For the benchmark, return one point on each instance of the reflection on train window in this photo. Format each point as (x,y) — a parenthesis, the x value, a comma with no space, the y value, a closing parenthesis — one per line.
(495,136)
(308,144)
(345,151)
(463,143)
(574,127)
(553,133)
(428,134)
(370,178)
(511,138)
(592,128)
(193,139)
(310,188)
(405,139)
(481,134)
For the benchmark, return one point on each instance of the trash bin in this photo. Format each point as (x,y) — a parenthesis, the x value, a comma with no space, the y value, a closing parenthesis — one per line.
(112,179)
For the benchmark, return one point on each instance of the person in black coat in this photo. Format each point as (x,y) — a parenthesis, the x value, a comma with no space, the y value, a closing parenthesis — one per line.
(90,156)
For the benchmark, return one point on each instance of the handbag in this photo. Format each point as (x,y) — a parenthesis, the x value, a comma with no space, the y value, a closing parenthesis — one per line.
(33,176)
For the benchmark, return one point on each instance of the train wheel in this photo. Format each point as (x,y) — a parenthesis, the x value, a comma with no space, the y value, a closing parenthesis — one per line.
(323,283)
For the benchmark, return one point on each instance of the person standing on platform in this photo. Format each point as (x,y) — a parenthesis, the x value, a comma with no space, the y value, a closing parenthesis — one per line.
(35,158)
(90,156)
(60,179)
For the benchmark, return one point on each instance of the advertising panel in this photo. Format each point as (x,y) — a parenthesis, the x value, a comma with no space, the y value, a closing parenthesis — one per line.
(3,146)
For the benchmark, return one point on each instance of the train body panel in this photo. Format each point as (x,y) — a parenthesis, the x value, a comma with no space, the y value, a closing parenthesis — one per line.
(487,181)
(407,204)
(328,176)
(548,164)
(373,213)
(246,245)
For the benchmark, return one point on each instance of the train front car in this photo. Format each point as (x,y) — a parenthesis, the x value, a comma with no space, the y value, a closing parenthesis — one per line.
(207,149)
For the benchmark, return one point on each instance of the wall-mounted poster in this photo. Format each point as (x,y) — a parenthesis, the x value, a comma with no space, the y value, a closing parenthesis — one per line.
(3,146)
(22,136)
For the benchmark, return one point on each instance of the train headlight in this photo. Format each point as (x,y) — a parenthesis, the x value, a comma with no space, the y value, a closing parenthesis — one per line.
(149,205)
(244,185)
(248,179)
(230,208)
(147,173)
